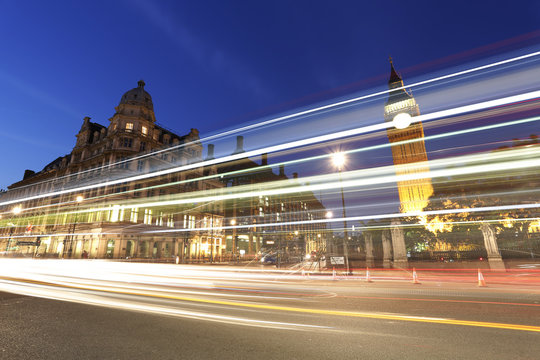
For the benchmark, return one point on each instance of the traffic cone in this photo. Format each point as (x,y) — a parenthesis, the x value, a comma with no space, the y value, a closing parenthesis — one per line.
(415,277)
(368,277)
(481,281)
(334,273)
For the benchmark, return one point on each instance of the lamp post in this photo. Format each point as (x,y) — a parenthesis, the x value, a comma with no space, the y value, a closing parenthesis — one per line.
(15,211)
(233,224)
(330,246)
(212,238)
(79,199)
(338,159)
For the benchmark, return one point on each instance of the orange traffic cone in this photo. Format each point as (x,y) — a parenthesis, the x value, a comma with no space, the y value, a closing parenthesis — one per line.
(415,277)
(368,277)
(481,281)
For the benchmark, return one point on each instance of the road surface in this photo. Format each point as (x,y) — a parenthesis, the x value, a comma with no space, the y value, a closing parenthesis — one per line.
(63,309)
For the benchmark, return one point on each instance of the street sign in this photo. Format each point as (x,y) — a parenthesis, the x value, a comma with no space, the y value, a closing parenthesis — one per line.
(337,260)
(26,243)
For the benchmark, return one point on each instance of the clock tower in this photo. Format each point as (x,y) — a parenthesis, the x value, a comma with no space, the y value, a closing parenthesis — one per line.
(407,142)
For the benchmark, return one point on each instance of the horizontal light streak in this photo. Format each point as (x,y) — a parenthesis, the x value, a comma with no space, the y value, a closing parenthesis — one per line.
(258,306)
(363,178)
(303,160)
(360,178)
(313,140)
(312,111)
(101,300)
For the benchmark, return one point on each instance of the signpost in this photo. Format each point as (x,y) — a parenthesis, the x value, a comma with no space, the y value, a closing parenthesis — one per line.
(337,260)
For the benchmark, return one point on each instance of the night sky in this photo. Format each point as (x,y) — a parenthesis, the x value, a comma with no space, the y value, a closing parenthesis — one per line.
(217,64)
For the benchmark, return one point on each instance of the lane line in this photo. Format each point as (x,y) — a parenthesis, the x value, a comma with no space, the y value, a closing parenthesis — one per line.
(530,328)
(438,300)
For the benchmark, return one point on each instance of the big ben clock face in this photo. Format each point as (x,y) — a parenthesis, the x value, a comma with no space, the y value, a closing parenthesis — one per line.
(402,120)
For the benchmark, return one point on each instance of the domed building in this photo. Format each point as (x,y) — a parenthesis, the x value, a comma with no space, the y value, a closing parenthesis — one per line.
(125,149)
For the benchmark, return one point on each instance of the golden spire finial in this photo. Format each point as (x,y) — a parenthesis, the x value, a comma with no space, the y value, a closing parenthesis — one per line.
(390,59)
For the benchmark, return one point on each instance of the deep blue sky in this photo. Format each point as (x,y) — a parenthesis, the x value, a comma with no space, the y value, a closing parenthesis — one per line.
(214,64)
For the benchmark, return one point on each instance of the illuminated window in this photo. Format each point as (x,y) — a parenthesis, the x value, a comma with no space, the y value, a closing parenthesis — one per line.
(170,220)
(134,214)
(115,212)
(399,105)
(144,130)
(189,222)
(147,216)
(129,127)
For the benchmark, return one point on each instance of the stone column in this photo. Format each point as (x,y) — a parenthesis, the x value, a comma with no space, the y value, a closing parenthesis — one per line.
(490,242)
(398,245)
(387,249)
(175,247)
(368,239)
(118,246)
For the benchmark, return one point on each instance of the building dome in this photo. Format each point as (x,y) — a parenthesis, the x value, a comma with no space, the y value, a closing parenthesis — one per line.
(138,96)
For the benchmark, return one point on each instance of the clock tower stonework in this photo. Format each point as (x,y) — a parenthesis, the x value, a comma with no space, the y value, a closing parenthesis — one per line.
(408,147)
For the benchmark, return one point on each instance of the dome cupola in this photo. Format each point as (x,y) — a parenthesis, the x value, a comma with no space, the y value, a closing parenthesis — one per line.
(138,96)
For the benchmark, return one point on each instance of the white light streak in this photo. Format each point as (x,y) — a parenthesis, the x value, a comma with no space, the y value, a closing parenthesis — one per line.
(317,139)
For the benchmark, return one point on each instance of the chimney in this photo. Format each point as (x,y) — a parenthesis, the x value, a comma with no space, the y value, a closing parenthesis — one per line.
(239,144)
(28,174)
(281,170)
(264,159)
(210,153)
(295,175)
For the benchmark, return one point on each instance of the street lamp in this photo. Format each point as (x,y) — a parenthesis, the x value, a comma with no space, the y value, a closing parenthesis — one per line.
(233,224)
(338,159)
(15,211)
(79,199)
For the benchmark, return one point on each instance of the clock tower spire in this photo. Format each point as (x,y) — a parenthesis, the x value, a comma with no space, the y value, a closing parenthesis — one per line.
(407,142)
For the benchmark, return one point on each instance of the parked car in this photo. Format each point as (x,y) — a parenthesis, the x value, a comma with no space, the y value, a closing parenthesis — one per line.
(268,259)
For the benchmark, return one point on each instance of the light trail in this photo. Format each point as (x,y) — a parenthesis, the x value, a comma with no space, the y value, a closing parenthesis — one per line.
(303,160)
(133,298)
(325,107)
(364,177)
(316,139)
(361,178)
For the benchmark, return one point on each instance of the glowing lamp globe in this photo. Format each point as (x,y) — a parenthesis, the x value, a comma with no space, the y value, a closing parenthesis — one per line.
(338,159)
(402,120)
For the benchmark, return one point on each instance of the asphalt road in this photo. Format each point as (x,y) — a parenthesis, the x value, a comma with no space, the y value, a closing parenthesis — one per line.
(99,310)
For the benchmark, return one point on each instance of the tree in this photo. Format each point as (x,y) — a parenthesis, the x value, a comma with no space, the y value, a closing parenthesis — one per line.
(467,204)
